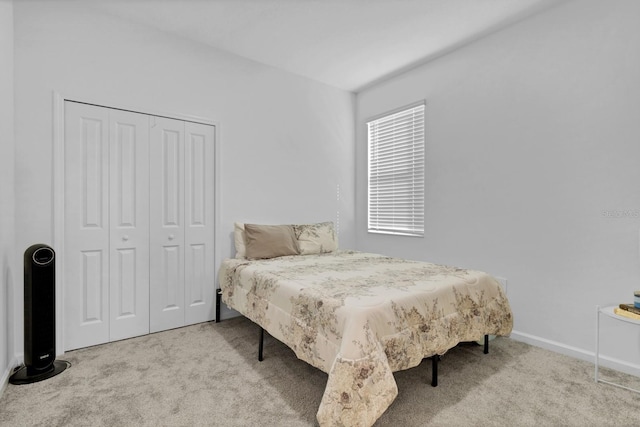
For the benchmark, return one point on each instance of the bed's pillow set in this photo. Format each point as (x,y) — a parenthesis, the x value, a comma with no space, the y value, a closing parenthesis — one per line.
(255,241)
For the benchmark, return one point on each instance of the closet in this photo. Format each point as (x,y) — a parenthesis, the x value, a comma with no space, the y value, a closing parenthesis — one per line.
(139,224)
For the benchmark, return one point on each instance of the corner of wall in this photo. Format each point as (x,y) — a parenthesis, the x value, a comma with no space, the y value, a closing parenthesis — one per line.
(7,195)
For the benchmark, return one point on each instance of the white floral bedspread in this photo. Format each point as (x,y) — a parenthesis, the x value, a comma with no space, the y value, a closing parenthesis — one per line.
(359,317)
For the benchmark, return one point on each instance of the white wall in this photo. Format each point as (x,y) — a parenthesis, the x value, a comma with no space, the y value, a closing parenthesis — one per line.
(7,196)
(286,142)
(533,151)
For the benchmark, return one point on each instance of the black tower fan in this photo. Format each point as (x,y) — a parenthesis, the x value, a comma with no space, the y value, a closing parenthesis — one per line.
(39,317)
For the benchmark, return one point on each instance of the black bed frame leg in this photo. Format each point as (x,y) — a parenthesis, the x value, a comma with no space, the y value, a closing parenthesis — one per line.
(218,300)
(434,370)
(486,344)
(261,345)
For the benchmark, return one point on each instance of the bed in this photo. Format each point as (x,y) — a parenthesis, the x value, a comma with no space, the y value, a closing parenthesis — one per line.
(359,317)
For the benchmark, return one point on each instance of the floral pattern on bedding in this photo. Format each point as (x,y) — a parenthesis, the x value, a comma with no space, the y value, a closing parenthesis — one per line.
(360,317)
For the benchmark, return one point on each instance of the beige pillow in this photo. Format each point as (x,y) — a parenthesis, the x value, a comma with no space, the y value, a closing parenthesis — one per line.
(238,238)
(269,241)
(316,238)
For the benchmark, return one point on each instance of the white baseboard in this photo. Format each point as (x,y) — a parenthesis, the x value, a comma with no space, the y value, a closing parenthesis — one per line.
(4,380)
(578,353)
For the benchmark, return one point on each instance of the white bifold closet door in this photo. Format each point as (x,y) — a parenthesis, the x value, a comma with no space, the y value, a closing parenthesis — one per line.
(182,270)
(139,224)
(106,225)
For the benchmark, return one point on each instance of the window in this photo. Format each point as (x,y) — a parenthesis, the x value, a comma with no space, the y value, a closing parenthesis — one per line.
(396,172)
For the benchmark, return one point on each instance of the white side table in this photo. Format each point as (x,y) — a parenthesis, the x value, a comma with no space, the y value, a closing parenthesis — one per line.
(608,311)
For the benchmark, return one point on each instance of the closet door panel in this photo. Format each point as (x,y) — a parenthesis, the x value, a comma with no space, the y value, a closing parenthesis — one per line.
(129,230)
(199,222)
(139,224)
(86,249)
(166,155)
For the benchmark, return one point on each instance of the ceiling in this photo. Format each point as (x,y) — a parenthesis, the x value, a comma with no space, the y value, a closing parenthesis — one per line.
(349,44)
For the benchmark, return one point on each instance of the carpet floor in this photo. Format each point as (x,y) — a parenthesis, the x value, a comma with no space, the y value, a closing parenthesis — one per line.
(208,375)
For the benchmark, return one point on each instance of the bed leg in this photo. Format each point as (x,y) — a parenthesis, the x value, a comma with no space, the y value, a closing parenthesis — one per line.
(434,370)
(218,300)
(261,345)
(486,344)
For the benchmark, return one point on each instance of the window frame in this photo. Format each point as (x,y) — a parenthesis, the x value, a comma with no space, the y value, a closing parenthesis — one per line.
(414,231)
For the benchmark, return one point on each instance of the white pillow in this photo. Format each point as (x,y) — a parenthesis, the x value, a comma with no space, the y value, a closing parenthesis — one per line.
(316,238)
(239,239)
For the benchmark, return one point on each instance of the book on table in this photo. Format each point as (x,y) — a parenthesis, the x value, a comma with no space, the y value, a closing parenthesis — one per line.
(625,313)
(631,308)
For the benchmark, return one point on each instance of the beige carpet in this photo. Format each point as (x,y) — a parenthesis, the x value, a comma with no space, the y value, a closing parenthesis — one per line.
(208,374)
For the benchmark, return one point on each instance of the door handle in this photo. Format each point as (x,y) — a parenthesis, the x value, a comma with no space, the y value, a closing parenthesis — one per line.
(125,237)
(171,237)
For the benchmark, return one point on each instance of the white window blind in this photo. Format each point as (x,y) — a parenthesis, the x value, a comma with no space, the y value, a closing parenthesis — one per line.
(396,172)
